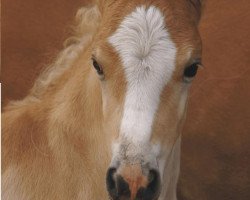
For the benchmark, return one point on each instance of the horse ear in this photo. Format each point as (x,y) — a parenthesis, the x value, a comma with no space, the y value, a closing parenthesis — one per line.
(198,6)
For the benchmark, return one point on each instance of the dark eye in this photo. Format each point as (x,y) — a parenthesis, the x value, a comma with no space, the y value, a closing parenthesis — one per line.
(190,71)
(97,67)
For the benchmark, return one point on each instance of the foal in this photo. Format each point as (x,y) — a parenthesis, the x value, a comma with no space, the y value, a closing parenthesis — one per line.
(104,120)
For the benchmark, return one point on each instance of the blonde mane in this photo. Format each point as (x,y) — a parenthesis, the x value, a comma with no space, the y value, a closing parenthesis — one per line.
(86,24)
(86,19)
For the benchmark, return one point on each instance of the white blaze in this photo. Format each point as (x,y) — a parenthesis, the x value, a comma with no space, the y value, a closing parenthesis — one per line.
(148,57)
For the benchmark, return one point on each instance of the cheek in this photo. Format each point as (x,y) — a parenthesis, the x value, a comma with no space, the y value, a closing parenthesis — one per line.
(112,109)
(169,118)
(112,121)
(164,129)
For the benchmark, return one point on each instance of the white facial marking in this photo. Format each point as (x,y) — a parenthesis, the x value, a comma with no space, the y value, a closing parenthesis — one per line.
(148,56)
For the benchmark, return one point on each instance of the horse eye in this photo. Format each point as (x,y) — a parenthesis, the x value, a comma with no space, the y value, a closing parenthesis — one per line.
(191,70)
(97,67)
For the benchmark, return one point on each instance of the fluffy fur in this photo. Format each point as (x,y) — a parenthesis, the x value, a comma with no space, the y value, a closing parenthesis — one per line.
(57,141)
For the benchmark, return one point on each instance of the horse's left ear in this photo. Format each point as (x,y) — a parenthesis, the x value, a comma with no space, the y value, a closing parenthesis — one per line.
(198,6)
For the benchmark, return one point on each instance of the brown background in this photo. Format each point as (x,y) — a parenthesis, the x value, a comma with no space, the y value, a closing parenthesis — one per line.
(216,140)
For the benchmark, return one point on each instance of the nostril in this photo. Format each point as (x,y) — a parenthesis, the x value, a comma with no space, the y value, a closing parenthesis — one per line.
(110,182)
(116,185)
(154,180)
(122,187)
(152,190)
(151,176)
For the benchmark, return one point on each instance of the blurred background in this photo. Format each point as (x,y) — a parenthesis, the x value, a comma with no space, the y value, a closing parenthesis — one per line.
(215,161)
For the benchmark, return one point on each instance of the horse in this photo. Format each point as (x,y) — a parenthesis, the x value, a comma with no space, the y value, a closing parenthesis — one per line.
(104,120)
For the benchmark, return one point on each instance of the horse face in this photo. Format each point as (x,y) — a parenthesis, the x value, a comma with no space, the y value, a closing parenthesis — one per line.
(145,63)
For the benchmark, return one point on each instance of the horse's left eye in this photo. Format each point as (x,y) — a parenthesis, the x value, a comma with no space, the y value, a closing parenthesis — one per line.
(191,70)
(97,67)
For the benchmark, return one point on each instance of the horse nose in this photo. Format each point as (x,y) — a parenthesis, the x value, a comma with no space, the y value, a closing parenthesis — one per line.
(128,183)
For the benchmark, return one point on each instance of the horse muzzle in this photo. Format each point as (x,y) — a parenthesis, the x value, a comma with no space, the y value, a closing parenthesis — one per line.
(131,182)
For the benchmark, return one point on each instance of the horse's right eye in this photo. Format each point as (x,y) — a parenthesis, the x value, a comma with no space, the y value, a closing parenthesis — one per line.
(97,67)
